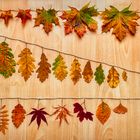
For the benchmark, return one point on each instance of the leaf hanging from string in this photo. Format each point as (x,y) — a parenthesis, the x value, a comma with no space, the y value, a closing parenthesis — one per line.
(24,15)
(103,112)
(122,22)
(18,115)
(3,119)
(26,63)
(87,72)
(46,18)
(7,62)
(99,75)
(6,15)
(75,71)
(124,75)
(113,78)
(59,68)
(44,68)
(38,114)
(78,20)
(62,112)
(120,109)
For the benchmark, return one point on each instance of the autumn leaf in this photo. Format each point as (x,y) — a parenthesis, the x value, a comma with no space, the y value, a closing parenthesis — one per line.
(87,72)
(122,22)
(113,78)
(124,75)
(59,68)
(103,112)
(120,109)
(38,114)
(7,62)
(26,63)
(24,15)
(6,15)
(75,71)
(18,115)
(99,75)
(44,68)
(62,112)
(78,20)
(3,119)
(47,18)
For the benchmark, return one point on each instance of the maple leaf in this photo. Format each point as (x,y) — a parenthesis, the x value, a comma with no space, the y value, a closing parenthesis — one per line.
(46,18)
(7,62)
(38,114)
(113,78)
(103,112)
(62,113)
(75,71)
(18,115)
(122,22)
(26,63)
(120,109)
(78,20)
(6,15)
(124,76)
(44,68)
(24,15)
(99,75)
(59,68)
(87,72)
(3,119)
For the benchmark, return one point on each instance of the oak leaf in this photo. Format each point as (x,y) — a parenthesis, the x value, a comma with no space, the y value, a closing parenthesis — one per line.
(3,119)
(59,68)
(120,109)
(75,71)
(113,78)
(87,72)
(124,75)
(26,63)
(78,20)
(122,22)
(18,115)
(7,62)
(103,112)
(44,68)
(46,18)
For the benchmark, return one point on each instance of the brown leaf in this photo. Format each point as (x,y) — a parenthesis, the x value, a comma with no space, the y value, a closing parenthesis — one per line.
(18,115)
(124,76)
(103,112)
(120,109)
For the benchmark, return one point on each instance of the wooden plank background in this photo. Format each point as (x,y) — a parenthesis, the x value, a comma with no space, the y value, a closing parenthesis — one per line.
(103,47)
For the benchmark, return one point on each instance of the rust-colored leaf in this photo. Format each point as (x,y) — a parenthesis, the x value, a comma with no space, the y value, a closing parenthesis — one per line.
(120,109)
(18,115)
(103,112)
(124,75)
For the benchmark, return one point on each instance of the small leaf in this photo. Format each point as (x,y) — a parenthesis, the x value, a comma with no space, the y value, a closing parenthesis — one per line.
(124,76)
(120,109)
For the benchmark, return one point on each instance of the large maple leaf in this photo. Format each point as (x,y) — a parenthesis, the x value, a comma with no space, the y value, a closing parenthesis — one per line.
(122,22)
(80,19)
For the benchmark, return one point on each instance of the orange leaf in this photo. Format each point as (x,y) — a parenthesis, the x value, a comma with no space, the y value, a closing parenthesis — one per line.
(120,109)
(124,76)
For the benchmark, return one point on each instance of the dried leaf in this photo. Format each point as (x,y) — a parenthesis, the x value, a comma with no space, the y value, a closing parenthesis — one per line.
(62,113)
(113,78)
(75,71)
(99,75)
(44,68)
(38,114)
(120,109)
(18,115)
(59,68)
(78,20)
(87,72)
(46,18)
(3,119)
(122,22)
(24,15)
(6,15)
(103,112)
(26,63)
(7,62)
(124,76)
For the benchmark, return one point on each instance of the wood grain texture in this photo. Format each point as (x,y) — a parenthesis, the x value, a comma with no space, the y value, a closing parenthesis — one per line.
(103,47)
